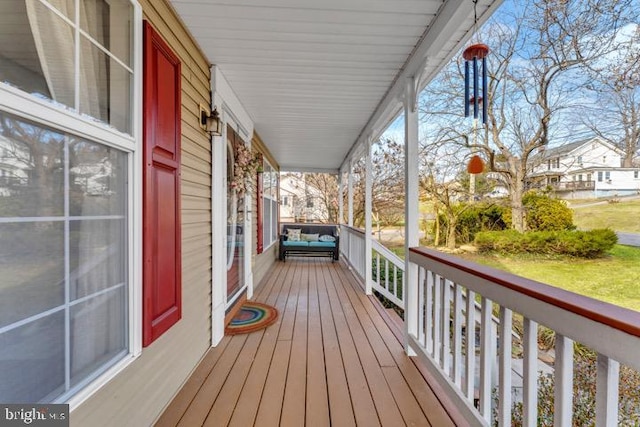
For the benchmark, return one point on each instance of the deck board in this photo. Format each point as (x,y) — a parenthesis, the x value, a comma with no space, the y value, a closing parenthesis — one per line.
(317,401)
(330,359)
(341,409)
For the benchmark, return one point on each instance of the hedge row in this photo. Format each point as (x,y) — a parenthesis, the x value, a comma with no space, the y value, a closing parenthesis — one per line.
(583,244)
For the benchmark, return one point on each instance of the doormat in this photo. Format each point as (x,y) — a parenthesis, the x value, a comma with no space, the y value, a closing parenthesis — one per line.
(252,316)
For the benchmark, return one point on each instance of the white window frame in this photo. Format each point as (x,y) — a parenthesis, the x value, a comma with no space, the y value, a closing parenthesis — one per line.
(47,113)
(273,199)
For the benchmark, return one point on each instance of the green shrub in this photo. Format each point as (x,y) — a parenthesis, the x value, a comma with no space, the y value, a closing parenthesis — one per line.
(545,213)
(583,244)
(475,218)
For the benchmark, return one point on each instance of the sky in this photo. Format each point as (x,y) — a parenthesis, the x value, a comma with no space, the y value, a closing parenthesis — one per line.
(567,128)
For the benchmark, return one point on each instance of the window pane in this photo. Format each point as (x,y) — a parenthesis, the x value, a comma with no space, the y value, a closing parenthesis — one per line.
(19,62)
(37,55)
(105,87)
(54,41)
(31,269)
(266,223)
(32,161)
(98,332)
(109,23)
(97,179)
(98,256)
(274,220)
(32,360)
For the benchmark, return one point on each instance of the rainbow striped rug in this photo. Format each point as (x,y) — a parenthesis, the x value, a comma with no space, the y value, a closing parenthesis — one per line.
(252,316)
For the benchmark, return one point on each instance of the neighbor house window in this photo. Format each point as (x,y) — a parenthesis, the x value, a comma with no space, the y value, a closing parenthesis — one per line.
(65,239)
(607,176)
(635,174)
(270,205)
(599,176)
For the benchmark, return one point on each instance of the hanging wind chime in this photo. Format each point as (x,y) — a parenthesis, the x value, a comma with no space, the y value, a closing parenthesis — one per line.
(475,57)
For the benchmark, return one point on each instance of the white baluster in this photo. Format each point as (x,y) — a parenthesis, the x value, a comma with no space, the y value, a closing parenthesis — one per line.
(429,312)
(504,413)
(457,335)
(421,308)
(563,396)
(607,392)
(530,398)
(470,355)
(445,324)
(437,308)
(395,280)
(486,359)
(386,274)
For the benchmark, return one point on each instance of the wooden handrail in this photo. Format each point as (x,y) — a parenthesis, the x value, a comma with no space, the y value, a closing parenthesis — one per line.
(611,315)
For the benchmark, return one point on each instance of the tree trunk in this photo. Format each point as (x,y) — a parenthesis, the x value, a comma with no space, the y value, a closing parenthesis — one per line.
(517,209)
(451,232)
(436,237)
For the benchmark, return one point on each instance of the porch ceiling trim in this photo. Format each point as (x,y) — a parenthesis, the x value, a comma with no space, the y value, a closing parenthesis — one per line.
(423,63)
(317,79)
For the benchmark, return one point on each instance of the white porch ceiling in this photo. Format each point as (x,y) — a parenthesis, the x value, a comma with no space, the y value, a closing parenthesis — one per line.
(318,76)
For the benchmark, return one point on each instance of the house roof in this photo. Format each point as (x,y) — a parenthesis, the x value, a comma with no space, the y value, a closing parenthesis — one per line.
(318,78)
(568,148)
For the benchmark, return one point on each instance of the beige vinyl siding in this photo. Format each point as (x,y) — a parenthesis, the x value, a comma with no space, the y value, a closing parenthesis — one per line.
(138,395)
(260,263)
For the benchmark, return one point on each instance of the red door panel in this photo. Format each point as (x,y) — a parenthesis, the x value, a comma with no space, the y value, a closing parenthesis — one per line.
(162,271)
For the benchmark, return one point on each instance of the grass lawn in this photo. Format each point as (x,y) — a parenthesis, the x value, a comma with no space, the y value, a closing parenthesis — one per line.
(615,279)
(622,216)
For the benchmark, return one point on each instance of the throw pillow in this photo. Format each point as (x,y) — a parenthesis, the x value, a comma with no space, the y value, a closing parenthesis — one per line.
(309,237)
(327,238)
(293,234)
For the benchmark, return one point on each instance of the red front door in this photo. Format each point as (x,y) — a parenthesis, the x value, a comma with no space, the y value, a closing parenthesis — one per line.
(162,271)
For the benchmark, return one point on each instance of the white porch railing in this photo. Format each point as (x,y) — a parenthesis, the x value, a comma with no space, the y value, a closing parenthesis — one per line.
(448,285)
(352,248)
(387,276)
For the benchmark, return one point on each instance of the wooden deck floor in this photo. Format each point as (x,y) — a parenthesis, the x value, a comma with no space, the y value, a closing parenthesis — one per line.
(332,358)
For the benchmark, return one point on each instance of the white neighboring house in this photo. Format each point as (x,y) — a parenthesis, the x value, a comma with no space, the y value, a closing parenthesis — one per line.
(300,202)
(288,203)
(584,169)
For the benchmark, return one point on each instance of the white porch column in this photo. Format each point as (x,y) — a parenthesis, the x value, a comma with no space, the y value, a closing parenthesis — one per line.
(350,193)
(411,209)
(219,235)
(340,198)
(367,219)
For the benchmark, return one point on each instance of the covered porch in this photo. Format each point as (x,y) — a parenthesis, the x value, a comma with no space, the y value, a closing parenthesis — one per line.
(320,86)
(334,357)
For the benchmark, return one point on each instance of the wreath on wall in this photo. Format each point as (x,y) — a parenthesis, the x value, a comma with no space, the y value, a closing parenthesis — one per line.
(245,167)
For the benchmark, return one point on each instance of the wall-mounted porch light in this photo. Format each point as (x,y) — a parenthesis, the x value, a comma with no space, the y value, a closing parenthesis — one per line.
(210,121)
